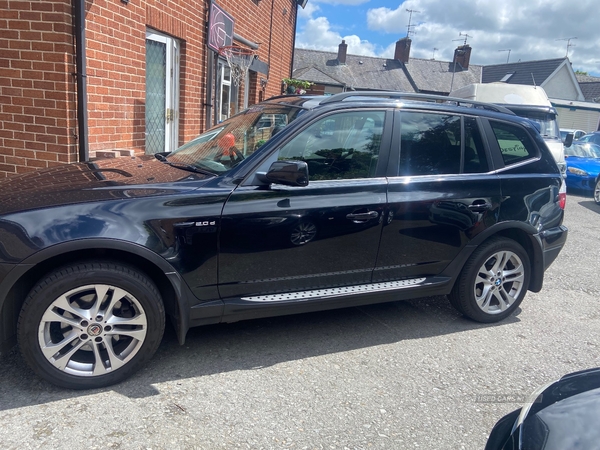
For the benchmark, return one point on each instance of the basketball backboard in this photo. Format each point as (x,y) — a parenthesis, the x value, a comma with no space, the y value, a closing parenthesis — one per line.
(220,28)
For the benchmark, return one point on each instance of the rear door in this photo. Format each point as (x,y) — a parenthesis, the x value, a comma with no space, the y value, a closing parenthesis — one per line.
(442,196)
(278,238)
(530,184)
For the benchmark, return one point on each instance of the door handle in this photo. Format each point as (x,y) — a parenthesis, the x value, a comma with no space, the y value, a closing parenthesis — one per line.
(170,114)
(362,217)
(480,207)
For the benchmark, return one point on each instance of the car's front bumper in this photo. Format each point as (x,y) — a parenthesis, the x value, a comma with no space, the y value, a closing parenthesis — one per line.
(580,182)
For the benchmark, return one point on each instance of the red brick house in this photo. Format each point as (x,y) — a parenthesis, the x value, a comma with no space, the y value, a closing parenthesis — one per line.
(89,78)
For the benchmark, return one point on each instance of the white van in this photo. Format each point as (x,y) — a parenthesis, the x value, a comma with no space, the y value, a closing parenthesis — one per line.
(526,101)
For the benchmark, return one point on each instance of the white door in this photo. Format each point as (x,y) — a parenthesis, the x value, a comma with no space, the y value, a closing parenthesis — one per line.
(162,93)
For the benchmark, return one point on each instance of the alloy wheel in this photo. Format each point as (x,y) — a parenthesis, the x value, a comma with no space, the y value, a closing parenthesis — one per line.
(499,282)
(92,330)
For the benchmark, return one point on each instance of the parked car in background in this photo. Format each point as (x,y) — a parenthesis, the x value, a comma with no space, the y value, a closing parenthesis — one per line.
(362,197)
(525,101)
(583,167)
(577,134)
(560,415)
(591,137)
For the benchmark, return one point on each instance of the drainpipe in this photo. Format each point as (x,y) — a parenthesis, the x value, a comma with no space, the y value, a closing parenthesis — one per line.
(82,109)
(294,42)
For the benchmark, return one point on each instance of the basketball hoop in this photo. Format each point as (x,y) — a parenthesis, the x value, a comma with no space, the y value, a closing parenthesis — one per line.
(239,60)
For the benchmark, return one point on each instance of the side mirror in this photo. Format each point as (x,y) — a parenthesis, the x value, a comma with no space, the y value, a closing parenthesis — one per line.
(568,140)
(289,173)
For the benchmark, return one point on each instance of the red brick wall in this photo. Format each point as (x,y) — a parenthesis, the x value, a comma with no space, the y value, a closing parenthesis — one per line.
(116,90)
(38,114)
(37,88)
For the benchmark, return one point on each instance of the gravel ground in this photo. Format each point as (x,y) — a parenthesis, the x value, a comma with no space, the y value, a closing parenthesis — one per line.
(393,376)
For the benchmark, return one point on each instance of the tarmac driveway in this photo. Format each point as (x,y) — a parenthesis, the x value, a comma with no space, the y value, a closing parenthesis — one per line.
(399,375)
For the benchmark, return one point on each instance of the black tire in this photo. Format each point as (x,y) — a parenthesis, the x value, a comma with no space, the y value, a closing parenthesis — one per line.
(505,287)
(597,192)
(83,352)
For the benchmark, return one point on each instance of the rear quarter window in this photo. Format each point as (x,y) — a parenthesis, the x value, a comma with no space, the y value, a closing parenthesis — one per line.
(515,143)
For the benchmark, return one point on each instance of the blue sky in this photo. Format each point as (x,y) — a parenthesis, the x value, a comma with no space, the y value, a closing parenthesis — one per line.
(530,29)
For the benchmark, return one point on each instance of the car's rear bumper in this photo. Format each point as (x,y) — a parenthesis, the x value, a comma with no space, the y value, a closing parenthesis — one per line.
(553,241)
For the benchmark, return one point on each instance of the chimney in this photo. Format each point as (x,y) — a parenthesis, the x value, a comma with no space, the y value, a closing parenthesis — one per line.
(402,50)
(462,55)
(342,49)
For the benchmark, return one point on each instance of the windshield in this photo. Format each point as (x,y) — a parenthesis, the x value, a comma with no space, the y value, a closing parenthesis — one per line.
(587,150)
(224,146)
(546,123)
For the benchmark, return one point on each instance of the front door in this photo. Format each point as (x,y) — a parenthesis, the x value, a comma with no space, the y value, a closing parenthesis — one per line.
(325,235)
(162,93)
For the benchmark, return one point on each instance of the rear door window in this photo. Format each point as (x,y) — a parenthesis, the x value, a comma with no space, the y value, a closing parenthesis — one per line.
(433,143)
(430,144)
(515,143)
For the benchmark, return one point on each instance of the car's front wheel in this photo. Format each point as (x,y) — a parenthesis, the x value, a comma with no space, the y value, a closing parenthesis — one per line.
(91,325)
(597,192)
(493,282)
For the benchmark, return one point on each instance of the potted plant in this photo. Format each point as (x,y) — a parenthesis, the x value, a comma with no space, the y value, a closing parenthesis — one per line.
(293,86)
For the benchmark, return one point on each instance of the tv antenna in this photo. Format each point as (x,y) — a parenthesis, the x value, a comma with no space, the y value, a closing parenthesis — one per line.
(506,50)
(569,45)
(409,28)
(467,36)
(434,50)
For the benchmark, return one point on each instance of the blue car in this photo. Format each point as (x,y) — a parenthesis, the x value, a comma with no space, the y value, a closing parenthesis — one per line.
(583,168)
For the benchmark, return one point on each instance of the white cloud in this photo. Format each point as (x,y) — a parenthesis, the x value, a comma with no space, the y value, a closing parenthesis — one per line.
(343,2)
(317,34)
(530,29)
(308,11)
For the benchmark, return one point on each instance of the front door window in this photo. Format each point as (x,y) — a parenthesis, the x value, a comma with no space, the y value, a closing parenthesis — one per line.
(340,146)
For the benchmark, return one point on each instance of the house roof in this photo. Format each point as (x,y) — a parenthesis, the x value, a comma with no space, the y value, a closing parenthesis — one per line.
(359,72)
(590,87)
(591,91)
(587,78)
(371,73)
(527,72)
(440,77)
(425,75)
(316,76)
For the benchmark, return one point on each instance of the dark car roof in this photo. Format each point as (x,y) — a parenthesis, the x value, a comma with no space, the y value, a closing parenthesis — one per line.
(399,99)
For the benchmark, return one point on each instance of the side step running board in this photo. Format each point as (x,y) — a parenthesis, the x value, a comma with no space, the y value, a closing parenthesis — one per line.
(335,292)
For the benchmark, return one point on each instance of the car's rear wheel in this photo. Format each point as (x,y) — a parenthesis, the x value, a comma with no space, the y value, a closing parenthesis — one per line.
(493,282)
(91,325)
(597,192)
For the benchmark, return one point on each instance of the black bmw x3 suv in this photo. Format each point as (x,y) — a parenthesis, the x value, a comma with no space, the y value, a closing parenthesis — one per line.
(296,204)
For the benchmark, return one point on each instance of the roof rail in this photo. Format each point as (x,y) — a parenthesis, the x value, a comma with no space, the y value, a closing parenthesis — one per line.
(416,97)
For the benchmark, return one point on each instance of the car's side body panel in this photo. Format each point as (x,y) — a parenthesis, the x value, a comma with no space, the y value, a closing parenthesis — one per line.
(445,212)
(289,239)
